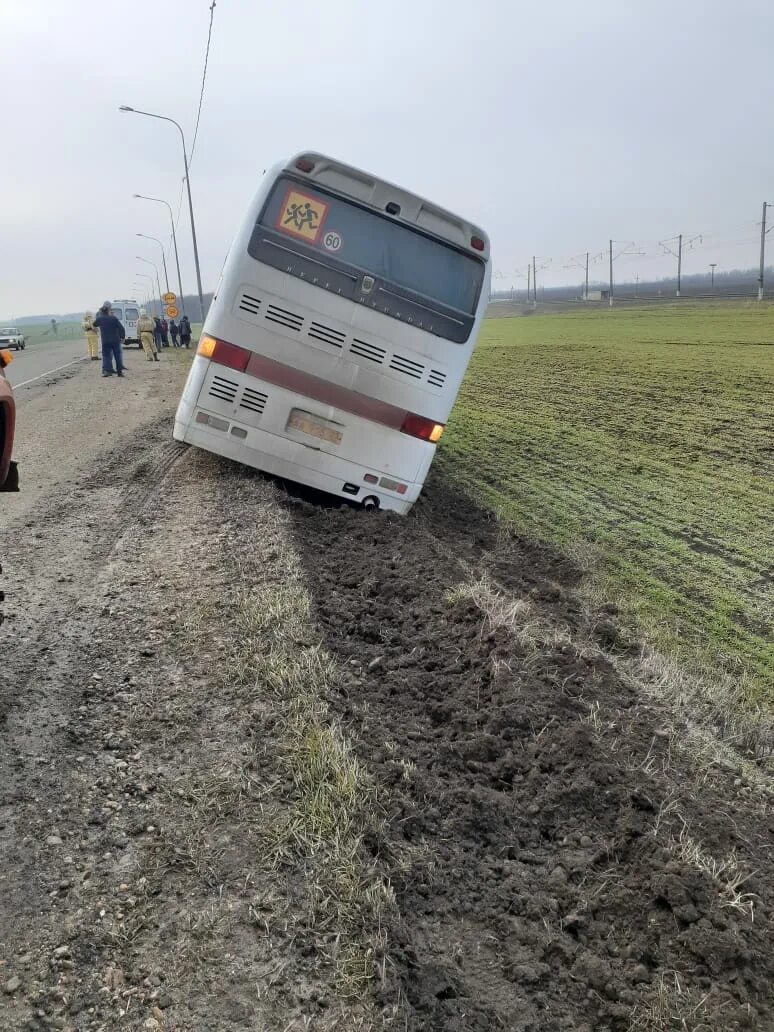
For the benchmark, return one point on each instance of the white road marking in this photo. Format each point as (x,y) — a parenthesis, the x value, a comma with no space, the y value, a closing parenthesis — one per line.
(24,383)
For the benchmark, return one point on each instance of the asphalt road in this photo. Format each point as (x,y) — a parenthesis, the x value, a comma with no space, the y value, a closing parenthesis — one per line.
(31,368)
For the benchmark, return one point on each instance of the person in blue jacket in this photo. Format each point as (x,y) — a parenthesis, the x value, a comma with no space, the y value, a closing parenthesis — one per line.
(112,334)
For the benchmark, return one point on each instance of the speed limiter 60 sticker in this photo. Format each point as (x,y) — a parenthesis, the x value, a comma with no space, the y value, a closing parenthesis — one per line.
(332,241)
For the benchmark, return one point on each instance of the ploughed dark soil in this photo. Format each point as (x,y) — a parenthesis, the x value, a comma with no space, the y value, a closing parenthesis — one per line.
(546,819)
(557,861)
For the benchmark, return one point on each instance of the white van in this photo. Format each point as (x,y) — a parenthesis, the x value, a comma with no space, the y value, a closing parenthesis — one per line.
(128,312)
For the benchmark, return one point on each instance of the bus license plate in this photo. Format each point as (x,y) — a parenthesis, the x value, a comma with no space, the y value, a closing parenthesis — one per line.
(314,426)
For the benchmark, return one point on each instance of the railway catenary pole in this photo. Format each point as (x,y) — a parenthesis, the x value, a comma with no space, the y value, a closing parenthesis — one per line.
(610,297)
(679,261)
(763,249)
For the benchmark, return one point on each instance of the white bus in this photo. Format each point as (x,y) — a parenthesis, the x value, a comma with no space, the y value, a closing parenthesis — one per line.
(338,337)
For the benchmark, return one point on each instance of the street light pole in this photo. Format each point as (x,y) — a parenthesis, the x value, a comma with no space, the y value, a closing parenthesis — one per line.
(159,200)
(156,270)
(147,277)
(163,259)
(164,118)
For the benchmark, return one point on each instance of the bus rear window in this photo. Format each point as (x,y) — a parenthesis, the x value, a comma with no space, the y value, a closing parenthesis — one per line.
(418,279)
(131,314)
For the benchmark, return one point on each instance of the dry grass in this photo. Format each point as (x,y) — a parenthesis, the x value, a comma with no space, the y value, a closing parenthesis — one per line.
(264,817)
(532,631)
(319,826)
(672,1007)
(727,874)
(710,717)
(718,723)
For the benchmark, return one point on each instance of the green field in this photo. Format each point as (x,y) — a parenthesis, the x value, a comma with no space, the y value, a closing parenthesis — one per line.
(41,332)
(643,440)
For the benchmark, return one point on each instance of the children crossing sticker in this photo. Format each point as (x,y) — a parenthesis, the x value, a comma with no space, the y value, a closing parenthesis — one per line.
(302,216)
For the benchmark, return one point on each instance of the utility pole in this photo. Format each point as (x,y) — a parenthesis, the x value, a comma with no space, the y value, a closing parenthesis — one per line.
(628,248)
(763,249)
(529,281)
(679,261)
(712,275)
(586,294)
(534,282)
(678,254)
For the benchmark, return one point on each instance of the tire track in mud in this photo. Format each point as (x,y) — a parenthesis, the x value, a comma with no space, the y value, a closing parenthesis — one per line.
(78,534)
(526,784)
(49,650)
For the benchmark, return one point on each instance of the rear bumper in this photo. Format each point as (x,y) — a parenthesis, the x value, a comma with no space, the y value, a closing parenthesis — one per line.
(285,458)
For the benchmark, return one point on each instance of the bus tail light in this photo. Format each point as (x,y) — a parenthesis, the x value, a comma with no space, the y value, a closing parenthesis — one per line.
(425,429)
(206,346)
(304,165)
(477,243)
(223,353)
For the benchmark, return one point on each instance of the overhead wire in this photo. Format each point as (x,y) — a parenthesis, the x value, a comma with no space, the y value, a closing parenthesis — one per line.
(204,79)
(198,117)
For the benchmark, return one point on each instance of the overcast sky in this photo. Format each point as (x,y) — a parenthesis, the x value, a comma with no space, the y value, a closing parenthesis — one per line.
(555,126)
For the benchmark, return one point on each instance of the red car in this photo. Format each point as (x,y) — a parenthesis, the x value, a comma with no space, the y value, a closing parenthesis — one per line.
(9,476)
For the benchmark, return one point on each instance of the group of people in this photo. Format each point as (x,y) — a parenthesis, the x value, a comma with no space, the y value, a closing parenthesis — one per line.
(163,330)
(154,334)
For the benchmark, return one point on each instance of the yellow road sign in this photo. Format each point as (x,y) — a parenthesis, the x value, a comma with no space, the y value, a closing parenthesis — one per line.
(171,311)
(302,215)
(169,298)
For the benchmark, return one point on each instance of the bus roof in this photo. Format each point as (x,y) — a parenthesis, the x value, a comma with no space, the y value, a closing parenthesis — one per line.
(378,194)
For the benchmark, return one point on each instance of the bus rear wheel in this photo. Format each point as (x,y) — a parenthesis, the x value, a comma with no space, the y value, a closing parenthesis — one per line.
(371,502)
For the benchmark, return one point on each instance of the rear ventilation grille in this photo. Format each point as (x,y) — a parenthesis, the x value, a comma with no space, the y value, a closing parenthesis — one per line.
(370,351)
(436,378)
(252,400)
(324,333)
(249,304)
(223,389)
(285,318)
(405,365)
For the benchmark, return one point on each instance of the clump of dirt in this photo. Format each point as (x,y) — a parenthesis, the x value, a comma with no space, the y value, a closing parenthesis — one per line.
(556,867)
